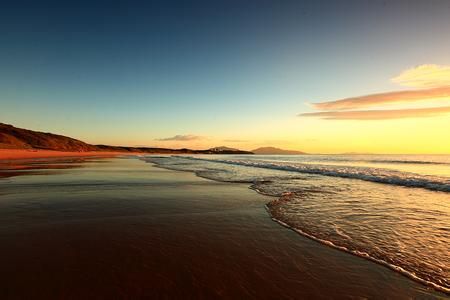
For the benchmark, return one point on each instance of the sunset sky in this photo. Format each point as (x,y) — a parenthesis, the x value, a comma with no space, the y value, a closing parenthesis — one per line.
(316,76)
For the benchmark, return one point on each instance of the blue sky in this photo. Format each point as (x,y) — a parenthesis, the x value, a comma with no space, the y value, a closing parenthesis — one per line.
(131,72)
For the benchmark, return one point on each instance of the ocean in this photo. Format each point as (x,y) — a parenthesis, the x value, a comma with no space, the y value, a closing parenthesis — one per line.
(391,209)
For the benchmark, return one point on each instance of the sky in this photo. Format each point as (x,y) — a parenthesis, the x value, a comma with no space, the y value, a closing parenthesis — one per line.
(316,76)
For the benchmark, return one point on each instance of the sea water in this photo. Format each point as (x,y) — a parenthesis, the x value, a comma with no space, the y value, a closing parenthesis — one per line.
(391,209)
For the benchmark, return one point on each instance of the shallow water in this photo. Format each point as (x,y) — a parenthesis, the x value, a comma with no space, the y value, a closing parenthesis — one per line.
(394,210)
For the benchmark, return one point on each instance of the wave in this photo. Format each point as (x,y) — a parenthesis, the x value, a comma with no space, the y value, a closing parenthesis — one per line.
(414,162)
(287,186)
(361,254)
(378,175)
(281,218)
(391,159)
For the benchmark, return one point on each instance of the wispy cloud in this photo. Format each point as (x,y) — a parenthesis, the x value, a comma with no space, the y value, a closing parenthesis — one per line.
(385,98)
(424,76)
(380,114)
(432,80)
(180,137)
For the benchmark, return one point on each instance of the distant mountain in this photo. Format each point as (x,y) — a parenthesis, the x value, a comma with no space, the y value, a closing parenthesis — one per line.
(228,150)
(273,150)
(222,148)
(17,138)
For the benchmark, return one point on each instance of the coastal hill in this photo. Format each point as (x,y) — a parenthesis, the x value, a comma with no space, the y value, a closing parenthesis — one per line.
(17,138)
(273,150)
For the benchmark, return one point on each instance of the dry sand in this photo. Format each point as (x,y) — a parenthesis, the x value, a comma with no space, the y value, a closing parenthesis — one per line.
(8,154)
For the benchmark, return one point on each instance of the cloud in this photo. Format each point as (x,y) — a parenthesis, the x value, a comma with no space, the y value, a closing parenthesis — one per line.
(432,82)
(424,76)
(180,137)
(380,114)
(385,98)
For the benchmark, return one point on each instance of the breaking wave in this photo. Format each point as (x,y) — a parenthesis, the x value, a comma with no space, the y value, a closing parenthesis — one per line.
(379,175)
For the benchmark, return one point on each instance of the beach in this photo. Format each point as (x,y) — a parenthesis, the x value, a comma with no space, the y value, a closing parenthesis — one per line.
(10,154)
(120,228)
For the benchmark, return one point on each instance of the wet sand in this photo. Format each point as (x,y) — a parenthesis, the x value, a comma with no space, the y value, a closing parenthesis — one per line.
(123,229)
(13,154)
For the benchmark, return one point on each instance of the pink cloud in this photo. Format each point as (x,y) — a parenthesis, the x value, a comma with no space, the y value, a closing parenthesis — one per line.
(385,98)
(380,114)
(180,137)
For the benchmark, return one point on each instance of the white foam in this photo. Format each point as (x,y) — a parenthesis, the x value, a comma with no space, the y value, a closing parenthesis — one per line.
(362,255)
(378,175)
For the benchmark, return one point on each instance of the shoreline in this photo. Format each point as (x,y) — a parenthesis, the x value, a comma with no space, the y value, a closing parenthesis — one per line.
(17,154)
(362,255)
(394,268)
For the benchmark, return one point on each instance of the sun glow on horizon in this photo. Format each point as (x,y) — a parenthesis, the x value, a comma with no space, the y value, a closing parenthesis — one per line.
(365,124)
